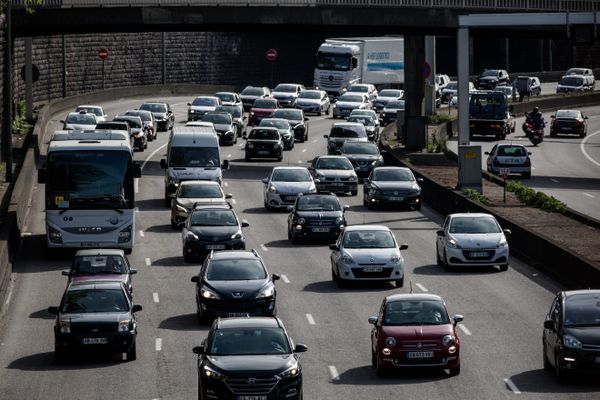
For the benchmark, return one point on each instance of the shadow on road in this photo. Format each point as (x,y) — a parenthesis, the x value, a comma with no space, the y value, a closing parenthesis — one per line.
(350,287)
(45,362)
(42,314)
(184,322)
(174,262)
(161,228)
(540,381)
(151,205)
(433,269)
(365,375)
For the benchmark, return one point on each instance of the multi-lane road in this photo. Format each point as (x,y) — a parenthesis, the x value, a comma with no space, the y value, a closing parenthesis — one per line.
(501,333)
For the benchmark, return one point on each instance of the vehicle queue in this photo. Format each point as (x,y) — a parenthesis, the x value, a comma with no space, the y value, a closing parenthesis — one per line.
(208,215)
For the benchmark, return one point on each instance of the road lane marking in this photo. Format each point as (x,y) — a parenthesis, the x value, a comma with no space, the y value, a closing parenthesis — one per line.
(421,287)
(585,153)
(512,386)
(299,161)
(25,234)
(589,195)
(314,140)
(241,145)
(304,150)
(554,180)
(152,155)
(148,263)
(155,297)
(233,201)
(262,246)
(310,319)
(136,185)
(158,344)
(225,184)
(284,278)
(141,233)
(137,209)
(465,330)
(335,376)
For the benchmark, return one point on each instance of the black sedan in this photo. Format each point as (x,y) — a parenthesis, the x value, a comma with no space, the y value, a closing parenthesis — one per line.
(249,358)
(392,185)
(316,215)
(214,227)
(364,156)
(162,112)
(234,284)
(571,338)
(297,120)
(568,122)
(96,316)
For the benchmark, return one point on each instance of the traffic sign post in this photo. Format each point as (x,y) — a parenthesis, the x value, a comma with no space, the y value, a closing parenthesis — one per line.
(103,54)
(504,175)
(271,55)
(426,70)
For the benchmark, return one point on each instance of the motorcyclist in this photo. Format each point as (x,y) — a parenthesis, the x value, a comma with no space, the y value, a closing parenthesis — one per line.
(535,116)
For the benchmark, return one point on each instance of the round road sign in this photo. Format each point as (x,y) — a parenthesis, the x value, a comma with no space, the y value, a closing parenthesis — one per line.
(271,54)
(35,73)
(103,53)
(426,70)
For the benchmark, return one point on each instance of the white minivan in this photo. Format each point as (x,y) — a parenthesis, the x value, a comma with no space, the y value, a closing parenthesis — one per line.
(192,153)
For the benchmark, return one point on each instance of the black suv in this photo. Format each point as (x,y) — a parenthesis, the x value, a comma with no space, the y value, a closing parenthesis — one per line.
(318,215)
(364,156)
(490,78)
(95,316)
(234,284)
(298,122)
(213,227)
(249,358)
(264,142)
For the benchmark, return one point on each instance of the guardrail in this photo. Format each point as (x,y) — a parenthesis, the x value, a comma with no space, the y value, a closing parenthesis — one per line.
(488,5)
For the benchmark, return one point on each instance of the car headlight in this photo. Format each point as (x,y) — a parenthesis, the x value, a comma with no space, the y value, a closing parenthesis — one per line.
(396,258)
(251,113)
(207,294)
(268,292)
(212,374)
(347,259)
(124,325)
(191,236)
(272,189)
(237,235)
(390,341)
(571,342)
(65,326)
(339,220)
(448,340)
(502,242)
(335,106)
(353,178)
(375,162)
(249,145)
(290,372)
(453,243)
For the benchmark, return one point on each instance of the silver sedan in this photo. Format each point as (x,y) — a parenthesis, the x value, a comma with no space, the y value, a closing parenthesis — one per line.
(284,184)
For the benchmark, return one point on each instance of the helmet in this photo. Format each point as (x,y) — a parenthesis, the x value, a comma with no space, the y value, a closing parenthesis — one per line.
(536,109)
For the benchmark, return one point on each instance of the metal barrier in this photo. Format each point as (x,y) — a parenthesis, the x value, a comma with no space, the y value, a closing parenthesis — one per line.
(491,5)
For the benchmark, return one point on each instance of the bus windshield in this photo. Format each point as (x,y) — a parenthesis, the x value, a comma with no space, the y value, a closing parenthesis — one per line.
(89,179)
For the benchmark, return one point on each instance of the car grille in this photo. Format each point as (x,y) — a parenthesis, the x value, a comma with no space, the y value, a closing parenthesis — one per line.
(321,222)
(420,361)
(360,163)
(331,82)
(224,238)
(489,253)
(412,346)
(396,193)
(593,347)
(337,179)
(245,306)
(359,274)
(251,386)
(262,146)
(94,327)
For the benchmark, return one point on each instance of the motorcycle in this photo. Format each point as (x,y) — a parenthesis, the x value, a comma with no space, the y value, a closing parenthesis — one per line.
(536,132)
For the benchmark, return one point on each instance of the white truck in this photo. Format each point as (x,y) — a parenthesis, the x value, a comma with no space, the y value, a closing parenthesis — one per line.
(342,62)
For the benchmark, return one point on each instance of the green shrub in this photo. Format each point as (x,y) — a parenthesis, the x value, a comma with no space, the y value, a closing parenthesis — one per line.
(436,146)
(476,196)
(20,126)
(536,199)
(438,119)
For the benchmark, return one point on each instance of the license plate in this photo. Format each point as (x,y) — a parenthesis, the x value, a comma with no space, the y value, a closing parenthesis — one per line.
(320,229)
(419,354)
(512,161)
(566,128)
(252,398)
(100,340)
(372,269)
(90,244)
(262,152)
(337,184)
(237,314)
(396,198)
(289,198)
(479,254)
(215,246)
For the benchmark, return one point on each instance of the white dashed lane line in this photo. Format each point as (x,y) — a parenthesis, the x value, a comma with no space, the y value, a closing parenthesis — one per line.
(589,195)
(233,201)
(158,344)
(263,247)
(225,184)
(335,376)
(148,263)
(465,330)
(311,320)
(284,278)
(155,297)
(141,233)
(554,180)
(136,185)
(304,150)
(137,209)
(510,384)
(228,155)
(421,287)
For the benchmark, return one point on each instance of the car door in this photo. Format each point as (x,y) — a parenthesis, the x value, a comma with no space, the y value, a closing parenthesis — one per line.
(441,239)
(377,326)
(335,254)
(551,336)
(490,159)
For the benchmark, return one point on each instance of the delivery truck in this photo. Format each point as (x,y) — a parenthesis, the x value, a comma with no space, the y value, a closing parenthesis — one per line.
(342,62)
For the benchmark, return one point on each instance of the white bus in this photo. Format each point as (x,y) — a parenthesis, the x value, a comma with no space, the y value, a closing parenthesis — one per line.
(89,177)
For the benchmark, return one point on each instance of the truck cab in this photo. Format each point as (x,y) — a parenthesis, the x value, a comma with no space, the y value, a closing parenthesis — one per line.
(490,114)
(337,67)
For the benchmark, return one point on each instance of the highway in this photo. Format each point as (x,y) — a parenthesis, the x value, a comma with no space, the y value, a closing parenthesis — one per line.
(501,333)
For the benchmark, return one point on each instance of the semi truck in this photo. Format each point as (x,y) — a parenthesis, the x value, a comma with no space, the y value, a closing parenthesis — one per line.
(342,62)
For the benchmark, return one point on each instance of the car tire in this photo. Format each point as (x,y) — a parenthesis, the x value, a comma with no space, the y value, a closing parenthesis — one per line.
(582,134)
(145,145)
(280,157)
(399,283)
(365,202)
(354,192)
(247,157)
(381,371)
(273,313)
(373,359)
(560,373)
(128,251)
(504,267)
(547,365)
(552,134)
(437,258)
(132,353)
(527,175)
(341,283)
(333,274)
(60,354)
(447,266)
(173,225)
(454,371)
(187,258)
(167,200)
(417,207)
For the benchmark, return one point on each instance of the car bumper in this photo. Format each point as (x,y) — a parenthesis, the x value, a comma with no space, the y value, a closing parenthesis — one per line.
(356,272)
(459,257)
(219,308)
(197,248)
(263,153)
(227,137)
(567,130)
(511,169)
(212,389)
(337,187)
(281,200)
(400,199)
(343,112)
(440,359)
(579,360)
(307,231)
(114,343)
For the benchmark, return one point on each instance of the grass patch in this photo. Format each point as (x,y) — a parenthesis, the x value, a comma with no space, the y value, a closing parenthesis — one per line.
(474,195)
(20,125)
(436,146)
(439,119)
(536,199)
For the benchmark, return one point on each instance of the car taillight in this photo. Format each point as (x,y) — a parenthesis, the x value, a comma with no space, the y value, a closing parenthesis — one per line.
(527,162)
(496,162)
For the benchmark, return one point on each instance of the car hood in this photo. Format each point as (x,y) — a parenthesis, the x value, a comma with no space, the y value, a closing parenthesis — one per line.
(263,365)
(349,104)
(418,332)
(293,187)
(105,317)
(223,127)
(362,157)
(397,185)
(217,232)
(586,335)
(307,101)
(101,277)
(82,127)
(202,173)
(284,95)
(477,240)
(330,173)
(203,108)
(340,140)
(189,202)
(263,111)
(238,290)
(372,256)
(319,214)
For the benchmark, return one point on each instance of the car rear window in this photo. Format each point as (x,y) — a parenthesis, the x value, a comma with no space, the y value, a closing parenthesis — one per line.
(334,163)
(568,114)
(205,101)
(288,114)
(571,81)
(291,175)
(351,98)
(360,148)
(511,151)
(395,105)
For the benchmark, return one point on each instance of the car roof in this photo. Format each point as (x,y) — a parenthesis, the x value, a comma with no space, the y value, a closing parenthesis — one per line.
(94,285)
(261,128)
(88,106)
(213,207)
(413,297)
(248,322)
(392,168)
(510,145)
(470,215)
(349,124)
(234,254)
(591,292)
(331,156)
(289,167)
(199,183)
(351,228)
(100,252)
(226,93)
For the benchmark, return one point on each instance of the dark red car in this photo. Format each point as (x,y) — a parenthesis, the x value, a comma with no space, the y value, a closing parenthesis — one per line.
(414,330)
(262,108)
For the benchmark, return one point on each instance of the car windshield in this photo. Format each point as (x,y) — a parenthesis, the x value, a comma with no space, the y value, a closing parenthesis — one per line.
(222,118)
(154,107)
(194,157)
(94,301)
(575,71)
(145,116)
(213,218)
(452,85)
(291,175)
(264,134)
(307,94)
(334,62)
(252,91)
(84,119)
(568,114)
(368,239)
(226,96)
(285,88)
(511,151)
(571,81)
(491,72)
(348,131)
(390,93)
(98,264)
(360,148)
(474,225)
(318,203)
(133,122)
(205,101)
(294,115)
(265,103)
(359,89)
(396,104)
(93,110)
(276,123)
(235,111)
(351,98)
(200,191)
(362,119)
(248,340)
(392,175)
(582,310)
(415,312)
(235,270)
(334,163)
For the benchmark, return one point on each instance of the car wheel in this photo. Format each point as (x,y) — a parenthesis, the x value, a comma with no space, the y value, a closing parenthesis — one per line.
(280,157)
(437,257)
(417,207)
(365,202)
(445,261)
(399,282)
(582,134)
(145,145)
(454,371)
(132,353)
(187,258)
(547,365)
(381,371)
(167,200)
(59,354)
(174,225)
(341,283)
(333,274)
(354,192)
(527,175)
(552,134)
(274,312)
(128,251)
(373,359)
(504,267)
(561,374)
(247,157)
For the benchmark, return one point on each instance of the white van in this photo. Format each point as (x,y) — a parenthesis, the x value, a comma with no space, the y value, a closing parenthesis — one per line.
(192,153)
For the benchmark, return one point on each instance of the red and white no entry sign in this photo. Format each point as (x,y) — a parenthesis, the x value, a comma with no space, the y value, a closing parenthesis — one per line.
(103,53)
(271,54)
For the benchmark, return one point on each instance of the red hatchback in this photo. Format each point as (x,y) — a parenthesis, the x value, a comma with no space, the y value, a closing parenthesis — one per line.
(414,330)
(262,108)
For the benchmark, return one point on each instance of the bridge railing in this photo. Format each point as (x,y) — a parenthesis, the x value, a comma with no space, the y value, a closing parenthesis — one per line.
(491,5)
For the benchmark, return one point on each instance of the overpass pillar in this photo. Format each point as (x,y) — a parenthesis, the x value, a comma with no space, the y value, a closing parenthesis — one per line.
(414,61)
(430,93)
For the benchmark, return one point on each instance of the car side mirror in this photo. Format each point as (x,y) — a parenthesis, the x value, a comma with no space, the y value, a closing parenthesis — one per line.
(346,207)
(225,165)
(373,320)
(245,137)
(198,350)
(440,232)
(42,175)
(585,117)
(189,104)
(53,310)
(66,273)
(549,324)
(326,136)
(275,277)
(487,153)
(245,224)
(136,308)
(300,348)
(507,231)
(420,180)
(163,163)
(403,246)
(334,247)
(290,208)
(265,180)
(305,119)
(62,121)
(528,153)
(457,318)
(137,170)
(228,195)
(195,279)
(133,271)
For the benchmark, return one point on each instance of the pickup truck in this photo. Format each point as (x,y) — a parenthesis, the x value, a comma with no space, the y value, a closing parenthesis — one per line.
(490,115)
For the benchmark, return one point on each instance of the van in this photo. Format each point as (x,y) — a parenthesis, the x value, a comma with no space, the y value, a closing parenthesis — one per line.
(192,153)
